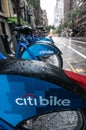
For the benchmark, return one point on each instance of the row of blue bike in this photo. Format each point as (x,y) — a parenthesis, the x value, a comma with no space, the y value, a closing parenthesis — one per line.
(33,47)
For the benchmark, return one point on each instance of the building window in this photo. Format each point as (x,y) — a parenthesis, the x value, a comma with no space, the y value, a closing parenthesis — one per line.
(14,10)
(3,28)
(0,6)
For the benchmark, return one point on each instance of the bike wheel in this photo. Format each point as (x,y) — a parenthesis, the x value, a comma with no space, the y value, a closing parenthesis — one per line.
(66,120)
(55,59)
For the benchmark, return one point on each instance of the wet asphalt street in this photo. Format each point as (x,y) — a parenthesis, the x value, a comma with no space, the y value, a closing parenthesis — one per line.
(74,54)
(74,59)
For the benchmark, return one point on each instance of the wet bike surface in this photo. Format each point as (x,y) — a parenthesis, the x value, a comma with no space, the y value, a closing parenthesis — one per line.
(73,61)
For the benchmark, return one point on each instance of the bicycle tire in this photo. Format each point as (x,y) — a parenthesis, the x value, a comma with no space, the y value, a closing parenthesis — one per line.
(55,59)
(43,123)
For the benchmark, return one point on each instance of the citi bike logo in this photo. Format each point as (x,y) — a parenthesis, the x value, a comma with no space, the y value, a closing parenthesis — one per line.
(47,52)
(32,100)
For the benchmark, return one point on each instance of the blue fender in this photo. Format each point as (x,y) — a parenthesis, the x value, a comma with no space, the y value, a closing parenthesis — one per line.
(42,48)
(2,56)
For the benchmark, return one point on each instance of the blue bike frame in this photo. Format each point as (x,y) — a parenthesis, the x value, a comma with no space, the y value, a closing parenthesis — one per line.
(27,91)
(2,56)
(38,38)
(40,48)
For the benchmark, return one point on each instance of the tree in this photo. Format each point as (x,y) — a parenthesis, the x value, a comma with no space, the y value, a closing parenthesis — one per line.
(59,29)
(35,3)
(50,27)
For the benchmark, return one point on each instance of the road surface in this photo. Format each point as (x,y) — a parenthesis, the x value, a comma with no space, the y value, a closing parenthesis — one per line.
(74,54)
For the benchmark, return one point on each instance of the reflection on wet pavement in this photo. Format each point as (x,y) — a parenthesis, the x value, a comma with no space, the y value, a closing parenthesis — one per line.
(72,61)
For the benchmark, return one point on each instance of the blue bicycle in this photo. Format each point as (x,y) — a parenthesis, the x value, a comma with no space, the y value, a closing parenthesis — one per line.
(31,48)
(2,56)
(39,33)
(29,89)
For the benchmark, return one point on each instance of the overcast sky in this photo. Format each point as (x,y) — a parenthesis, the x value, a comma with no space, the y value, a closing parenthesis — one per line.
(49,6)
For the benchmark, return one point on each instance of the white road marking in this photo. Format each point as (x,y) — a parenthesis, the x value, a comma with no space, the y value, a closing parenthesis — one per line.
(78,52)
(79,41)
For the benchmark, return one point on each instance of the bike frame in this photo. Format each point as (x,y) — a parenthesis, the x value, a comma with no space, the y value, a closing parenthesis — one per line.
(24,45)
(40,48)
(2,56)
(31,88)
(34,38)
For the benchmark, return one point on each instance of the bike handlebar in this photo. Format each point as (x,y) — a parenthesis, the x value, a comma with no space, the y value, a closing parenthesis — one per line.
(23,29)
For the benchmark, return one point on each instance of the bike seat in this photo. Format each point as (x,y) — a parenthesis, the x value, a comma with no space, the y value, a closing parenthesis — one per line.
(23,29)
(40,28)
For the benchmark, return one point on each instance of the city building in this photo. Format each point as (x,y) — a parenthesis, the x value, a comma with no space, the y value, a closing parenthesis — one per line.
(16,12)
(4,12)
(77,3)
(9,10)
(45,19)
(67,8)
(4,27)
(75,13)
(59,13)
(80,22)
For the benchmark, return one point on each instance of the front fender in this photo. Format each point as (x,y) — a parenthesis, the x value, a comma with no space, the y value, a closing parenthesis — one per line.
(43,49)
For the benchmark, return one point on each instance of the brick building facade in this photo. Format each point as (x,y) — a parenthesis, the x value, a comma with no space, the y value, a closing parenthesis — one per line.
(78,7)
